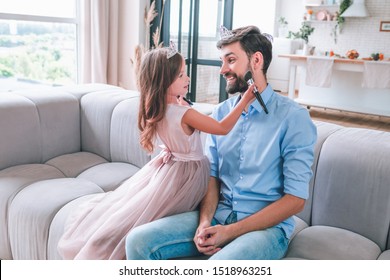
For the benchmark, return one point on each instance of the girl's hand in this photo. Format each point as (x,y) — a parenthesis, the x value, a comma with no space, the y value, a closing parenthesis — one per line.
(181,101)
(249,95)
(211,239)
(201,241)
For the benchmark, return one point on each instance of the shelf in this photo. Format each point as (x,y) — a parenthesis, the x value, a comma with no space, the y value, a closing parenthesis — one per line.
(323,6)
(335,6)
(321,21)
(326,10)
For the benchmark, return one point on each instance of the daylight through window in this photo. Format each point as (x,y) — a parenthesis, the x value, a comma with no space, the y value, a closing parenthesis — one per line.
(38,42)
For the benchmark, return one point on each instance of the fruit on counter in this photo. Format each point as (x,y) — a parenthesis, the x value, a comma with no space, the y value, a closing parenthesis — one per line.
(377,56)
(352,54)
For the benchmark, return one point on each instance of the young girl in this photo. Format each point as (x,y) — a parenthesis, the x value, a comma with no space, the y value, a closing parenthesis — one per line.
(175,181)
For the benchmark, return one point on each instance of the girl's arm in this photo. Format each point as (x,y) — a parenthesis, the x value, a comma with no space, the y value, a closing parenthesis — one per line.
(202,122)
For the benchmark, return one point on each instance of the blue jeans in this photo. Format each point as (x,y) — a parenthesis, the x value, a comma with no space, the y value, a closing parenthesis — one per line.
(172,237)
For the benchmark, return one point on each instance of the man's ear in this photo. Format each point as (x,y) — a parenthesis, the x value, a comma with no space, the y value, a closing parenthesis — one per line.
(257,60)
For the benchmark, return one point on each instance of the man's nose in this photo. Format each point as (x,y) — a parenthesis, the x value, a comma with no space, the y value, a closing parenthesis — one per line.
(224,69)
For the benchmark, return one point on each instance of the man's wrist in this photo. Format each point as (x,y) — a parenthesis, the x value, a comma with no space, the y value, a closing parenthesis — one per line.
(234,230)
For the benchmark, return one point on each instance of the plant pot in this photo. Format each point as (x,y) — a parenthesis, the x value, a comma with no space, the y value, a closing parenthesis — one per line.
(308,49)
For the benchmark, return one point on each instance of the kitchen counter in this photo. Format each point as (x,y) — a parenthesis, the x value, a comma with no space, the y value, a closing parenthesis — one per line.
(345,93)
(336,59)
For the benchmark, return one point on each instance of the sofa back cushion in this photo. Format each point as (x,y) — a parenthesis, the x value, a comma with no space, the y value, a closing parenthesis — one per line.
(37,125)
(109,125)
(351,188)
(324,129)
(18,118)
(124,137)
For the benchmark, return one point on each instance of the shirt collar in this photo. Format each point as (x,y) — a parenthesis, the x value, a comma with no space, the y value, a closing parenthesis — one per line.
(266,95)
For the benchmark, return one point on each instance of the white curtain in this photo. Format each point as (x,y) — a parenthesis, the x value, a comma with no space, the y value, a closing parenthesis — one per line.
(99,41)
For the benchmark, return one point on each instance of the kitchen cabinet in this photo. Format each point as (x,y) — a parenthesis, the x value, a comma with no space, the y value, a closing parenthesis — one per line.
(345,93)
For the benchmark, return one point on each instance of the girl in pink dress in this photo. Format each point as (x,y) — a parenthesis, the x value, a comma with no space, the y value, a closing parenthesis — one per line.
(173,182)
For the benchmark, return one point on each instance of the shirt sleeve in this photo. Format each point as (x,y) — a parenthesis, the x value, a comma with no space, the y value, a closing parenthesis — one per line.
(297,149)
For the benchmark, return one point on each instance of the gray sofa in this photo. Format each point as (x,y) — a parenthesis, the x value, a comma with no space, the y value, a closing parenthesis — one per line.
(60,145)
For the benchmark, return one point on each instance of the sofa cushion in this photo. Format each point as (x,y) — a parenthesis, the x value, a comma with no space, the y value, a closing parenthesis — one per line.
(96,115)
(33,209)
(323,131)
(385,255)
(57,226)
(299,225)
(12,181)
(79,90)
(74,164)
(110,175)
(330,243)
(19,125)
(351,188)
(59,121)
(124,134)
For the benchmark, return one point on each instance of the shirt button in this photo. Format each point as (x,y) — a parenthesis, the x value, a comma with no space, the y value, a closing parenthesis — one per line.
(241,177)
(235,202)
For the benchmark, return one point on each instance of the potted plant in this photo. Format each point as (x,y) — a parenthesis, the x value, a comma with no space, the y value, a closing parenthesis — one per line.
(303,33)
(339,19)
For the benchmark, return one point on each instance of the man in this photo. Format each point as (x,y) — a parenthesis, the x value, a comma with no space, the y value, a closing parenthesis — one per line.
(260,171)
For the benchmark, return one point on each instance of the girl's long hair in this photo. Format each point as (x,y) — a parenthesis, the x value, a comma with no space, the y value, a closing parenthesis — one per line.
(156,74)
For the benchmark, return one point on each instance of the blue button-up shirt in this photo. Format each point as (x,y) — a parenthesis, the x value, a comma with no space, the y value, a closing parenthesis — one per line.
(263,157)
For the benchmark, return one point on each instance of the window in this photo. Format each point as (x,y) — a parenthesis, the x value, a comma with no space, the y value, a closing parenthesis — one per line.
(194,26)
(38,41)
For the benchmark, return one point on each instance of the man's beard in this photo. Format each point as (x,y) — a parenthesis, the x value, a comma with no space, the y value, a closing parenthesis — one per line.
(239,85)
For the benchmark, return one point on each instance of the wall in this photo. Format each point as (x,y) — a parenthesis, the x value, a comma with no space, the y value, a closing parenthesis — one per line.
(361,34)
(293,11)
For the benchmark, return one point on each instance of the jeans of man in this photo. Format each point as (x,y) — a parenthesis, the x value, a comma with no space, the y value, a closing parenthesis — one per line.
(172,237)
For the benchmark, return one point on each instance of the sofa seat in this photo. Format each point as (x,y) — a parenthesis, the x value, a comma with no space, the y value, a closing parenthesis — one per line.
(33,209)
(12,181)
(80,170)
(58,223)
(107,175)
(330,243)
(385,255)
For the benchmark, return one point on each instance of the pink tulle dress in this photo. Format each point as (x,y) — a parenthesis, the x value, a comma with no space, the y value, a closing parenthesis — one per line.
(173,182)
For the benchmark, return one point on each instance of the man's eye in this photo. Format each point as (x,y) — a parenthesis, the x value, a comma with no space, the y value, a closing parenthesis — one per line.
(231,61)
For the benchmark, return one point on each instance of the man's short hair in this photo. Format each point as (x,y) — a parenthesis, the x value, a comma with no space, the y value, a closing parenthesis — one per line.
(251,41)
